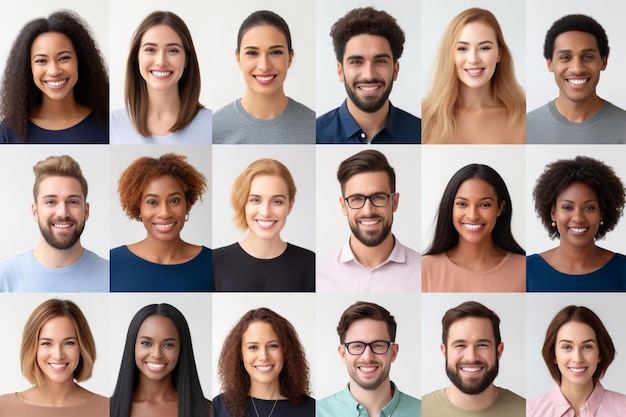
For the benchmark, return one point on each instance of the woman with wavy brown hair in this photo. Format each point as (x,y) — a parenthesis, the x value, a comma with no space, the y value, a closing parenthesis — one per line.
(263,370)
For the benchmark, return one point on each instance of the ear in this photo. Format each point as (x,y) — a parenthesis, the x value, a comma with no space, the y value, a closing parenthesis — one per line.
(237,57)
(443,349)
(293,200)
(396,200)
(549,64)
(394,351)
(340,71)
(342,353)
(605,61)
(86,211)
(500,349)
(502,204)
(342,203)
(34,212)
(553,212)
(396,69)
(290,58)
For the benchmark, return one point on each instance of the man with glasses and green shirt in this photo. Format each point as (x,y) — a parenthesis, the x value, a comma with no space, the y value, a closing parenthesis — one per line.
(372,260)
(367,334)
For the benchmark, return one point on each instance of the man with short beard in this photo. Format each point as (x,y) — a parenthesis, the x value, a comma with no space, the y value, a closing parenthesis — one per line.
(368,44)
(59,263)
(367,334)
(472,347)
(372,260)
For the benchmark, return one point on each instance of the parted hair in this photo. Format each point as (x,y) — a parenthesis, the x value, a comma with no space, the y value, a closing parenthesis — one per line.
(583,315)
(135,89)
(367,21)
(440,105)
(369,160)
(261,18)
(365,310)
(58,166)
(20,96)
(136,177)
(600,177)
(576,23)
(470,309)
(241,186)
(30,339)
(235,381)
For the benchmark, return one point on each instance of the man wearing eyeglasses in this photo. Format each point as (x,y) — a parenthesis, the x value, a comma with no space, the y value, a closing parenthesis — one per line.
(372,260)
(367,334)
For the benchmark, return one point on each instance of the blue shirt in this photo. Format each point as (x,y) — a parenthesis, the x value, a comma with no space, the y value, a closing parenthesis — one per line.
(87,130)
(344,404)
(338,126)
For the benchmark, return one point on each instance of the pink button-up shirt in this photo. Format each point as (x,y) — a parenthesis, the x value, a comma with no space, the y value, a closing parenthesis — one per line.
(601,403)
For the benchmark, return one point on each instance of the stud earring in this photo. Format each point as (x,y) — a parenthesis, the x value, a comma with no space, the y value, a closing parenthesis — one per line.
(601,222)
(553,223)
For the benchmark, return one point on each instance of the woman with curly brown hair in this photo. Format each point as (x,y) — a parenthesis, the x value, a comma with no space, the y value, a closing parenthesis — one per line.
(159,192)
(55,87)
(263,369)
(578,201)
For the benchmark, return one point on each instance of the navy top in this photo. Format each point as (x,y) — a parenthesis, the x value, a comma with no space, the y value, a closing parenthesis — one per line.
(87,130)
(338,126)
(541,277)
(264,408)
(131,273)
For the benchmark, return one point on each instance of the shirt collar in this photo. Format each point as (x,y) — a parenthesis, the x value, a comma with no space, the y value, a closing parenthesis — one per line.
(397,255)
(355,405)
(561,405)
(351,128)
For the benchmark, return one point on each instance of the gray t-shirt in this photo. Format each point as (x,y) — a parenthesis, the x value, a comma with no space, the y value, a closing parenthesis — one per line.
(546,125)
(232,124)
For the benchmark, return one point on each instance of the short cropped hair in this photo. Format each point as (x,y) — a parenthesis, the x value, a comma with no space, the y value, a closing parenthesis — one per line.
(576,23)
(367,21)
(365,310)
(241,186)
(600,177)
(582,315)
(136,177)
(369,160)
(58,166)
(470,309)
(30,339)
(262,18)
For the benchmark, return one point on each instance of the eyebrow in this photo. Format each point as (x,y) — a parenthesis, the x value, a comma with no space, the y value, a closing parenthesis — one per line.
(58,53)
(383,55)
(50,339)
(258,343)
(569,51)
(478,341)
(167,44)
(481,199)
(271,47)
(274,196)
(56,196)
(591,200)
(168,339)
(169,195)
(584,341)
(480,43)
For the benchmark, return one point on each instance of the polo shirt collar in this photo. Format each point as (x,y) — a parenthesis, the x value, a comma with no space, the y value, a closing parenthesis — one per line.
(353,404)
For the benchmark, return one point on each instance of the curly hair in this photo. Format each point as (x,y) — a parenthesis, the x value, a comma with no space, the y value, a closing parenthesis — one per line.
(440,105)
(367,21)
(576,23)
(20,95)
(601,178)
(135,89)
(235,381)
(136,177)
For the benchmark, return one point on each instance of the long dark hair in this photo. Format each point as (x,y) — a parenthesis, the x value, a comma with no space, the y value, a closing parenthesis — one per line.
(446,236)
(191,400)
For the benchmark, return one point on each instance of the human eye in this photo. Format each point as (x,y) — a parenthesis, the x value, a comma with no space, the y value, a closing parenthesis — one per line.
(175,200)
(590,207)
(173,51)
(589,57)
(274,346)
(566,347)
(356,199)
(251,53)
(45,343)
(253,347)
(149,49)
(169,345)
(276,52)
(145,343)
(566,207)
(74,203)
(254,200)
(461,204)
(357,346)
(564,58)
(278,202)
(379,198)
(64,58)
(355,61)
(70,343)
(461,48)
(49,202)
(485,204)
(379,345)
(151,202)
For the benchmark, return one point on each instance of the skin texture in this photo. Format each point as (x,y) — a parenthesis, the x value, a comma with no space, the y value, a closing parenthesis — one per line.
(162,58)
(163,208)
(577,355)
(157,348)
(577,215)
(267,207)
(262,356)
(55,66)
(475,211)
(476,55)
(58,352)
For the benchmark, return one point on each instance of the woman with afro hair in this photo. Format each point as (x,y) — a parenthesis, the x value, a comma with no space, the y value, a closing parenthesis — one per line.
(578,201)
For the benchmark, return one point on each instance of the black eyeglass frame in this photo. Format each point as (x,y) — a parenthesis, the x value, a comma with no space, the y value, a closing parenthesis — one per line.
(370,344)
(368,197)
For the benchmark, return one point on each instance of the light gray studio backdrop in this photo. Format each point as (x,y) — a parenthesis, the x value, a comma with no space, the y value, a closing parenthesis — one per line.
(405,370)
(16,167)
(127,15)
(231,160)
(227,81)
(96,14)
(540,15)
(440,163)
(541,309)
(297,308)
(537,157)
(332,225)
(435,17)
(510,309)
(124,230)
(406,90)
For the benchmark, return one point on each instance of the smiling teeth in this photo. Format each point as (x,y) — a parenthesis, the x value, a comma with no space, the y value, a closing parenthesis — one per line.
(472,226)
(474,71)
(56,83)
(264,368)
(155,366)
(61,225)
(164,226)
(369,222)
(471,369)
(264,78)
(369,89)
(265,223)
(161,73)
(578,370)
(367,368)
(58,366)
(578,81)
(578,229)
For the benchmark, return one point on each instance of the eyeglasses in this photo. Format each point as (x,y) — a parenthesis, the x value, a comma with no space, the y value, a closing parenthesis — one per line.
(379,347)
(357,201)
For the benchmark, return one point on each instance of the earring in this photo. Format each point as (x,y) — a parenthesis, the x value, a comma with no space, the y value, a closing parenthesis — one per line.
(553,223)
(601,222)
(140,219)
(187,216)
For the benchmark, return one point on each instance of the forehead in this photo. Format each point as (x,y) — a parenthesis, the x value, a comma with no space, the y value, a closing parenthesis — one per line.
(477,31)
(368,183)
(268,184)
(575,331)
(163,184)
(161,33)
(259,331)
(51,40)
(263,35)
(577,191)
(366,330)
(158,327)
(367,46)
(59,326)
(471,328)
(59,186)
(575,41)
(475,187)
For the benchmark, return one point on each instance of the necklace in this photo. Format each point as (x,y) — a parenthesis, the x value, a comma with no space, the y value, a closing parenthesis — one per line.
(257,411)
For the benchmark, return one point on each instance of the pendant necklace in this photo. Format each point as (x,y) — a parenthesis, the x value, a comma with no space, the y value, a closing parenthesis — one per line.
(257,411)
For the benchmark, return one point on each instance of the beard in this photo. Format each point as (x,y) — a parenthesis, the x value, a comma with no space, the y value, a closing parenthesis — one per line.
(474,385)
(369,104)
(65,243)
(371,238)
(368,384)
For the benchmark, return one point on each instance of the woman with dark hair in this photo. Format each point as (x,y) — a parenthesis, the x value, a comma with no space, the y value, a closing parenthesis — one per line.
(264,114)
(162,88)
(55,87)
(473,249)
(578,201)
(158,374)
(263,369)
(58,351)
(577,351)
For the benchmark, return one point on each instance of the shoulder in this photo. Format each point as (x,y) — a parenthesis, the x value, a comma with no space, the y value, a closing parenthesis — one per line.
(6,134)
(226,111)
(617,400)
(510,399)
(539,406)
(300,108)
(298,251)
(327,118)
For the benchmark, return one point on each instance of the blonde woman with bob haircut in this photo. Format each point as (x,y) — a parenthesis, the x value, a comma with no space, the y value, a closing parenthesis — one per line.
(57,352)
(475,97)
(262,197)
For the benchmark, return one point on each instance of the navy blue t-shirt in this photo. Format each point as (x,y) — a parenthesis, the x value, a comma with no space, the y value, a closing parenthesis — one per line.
(87,130)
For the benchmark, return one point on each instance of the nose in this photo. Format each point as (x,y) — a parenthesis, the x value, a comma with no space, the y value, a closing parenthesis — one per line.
(470,354)
(156,352)
(263,353)
(264,209)
(369,70)
(161,58)
(63,211)
(53,68)
(577,65)
(577,356)
(473,56)
(165,210)
(58,352)
(472,212)
(578,215)
(264,62)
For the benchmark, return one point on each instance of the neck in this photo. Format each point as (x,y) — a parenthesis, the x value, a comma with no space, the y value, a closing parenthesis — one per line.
(154,390)
(372,256)
(577,257)
(163,103)
(578,112)
(57,258)
(269,391)
(476,98)
(161,251)
(58,109)
(576,395)
(472,402)
(263,248)
(370,123)
(53,394)
(374,400)
(264,106)
(475,256)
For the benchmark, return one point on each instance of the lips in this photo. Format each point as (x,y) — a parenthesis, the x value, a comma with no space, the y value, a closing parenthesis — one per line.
(265,79)
(56,83)
(368,369)
(369,89)
(578,231)
(164,227)
(161,74)
(264,368)
(577,370)
(62,225)
(474,72)
(59,366)
(266,224)
(577,82)
(473,227)
(154,366)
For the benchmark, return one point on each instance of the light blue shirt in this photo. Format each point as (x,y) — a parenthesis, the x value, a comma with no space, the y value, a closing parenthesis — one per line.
(343,404)
(90,273)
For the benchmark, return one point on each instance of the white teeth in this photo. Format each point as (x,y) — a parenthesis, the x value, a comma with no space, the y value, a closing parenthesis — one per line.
(369,89)
(265,223)
(58,366)
(164,226)
(472,227)
(161,73)
(266,78)
(367,368)
(578,370)
(61,225)
(578,229)
(369,222)
(474,71)
(471,369)
(155,366)
(264,368)
(56,83)
(577,81)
